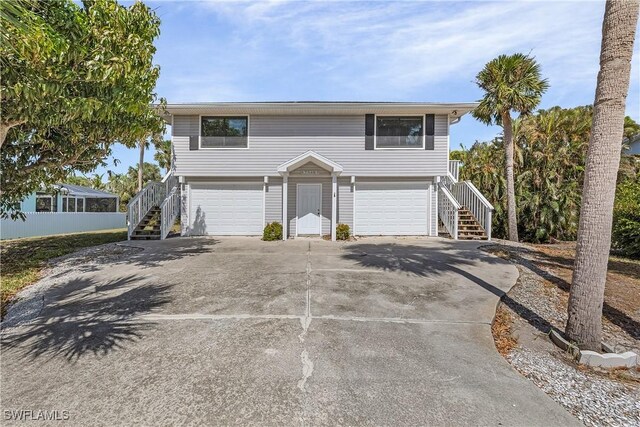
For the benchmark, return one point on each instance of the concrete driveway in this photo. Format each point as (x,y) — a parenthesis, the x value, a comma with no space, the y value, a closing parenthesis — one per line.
(238,331)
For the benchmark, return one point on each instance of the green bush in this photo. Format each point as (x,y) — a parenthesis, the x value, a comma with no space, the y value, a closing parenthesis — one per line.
(342,232)
(625,235)
(272,231)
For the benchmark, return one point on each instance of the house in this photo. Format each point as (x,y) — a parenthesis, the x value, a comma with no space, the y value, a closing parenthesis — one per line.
(380,167)
(70,198)
(65,208)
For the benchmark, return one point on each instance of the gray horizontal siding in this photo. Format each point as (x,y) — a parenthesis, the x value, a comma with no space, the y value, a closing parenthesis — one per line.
(275,139)
(273,200)
(345,202)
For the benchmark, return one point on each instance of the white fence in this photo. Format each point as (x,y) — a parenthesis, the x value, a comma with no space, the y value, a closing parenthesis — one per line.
(48,223)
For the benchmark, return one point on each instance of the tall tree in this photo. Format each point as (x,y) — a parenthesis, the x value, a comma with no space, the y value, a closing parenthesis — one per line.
(74,80)
(510,83)
(586,297)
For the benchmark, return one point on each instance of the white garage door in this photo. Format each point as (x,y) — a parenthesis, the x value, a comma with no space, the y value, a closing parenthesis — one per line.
(392,208)
(226,209)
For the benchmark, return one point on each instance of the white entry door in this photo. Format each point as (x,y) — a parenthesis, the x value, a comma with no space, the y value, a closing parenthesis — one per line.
(309,208)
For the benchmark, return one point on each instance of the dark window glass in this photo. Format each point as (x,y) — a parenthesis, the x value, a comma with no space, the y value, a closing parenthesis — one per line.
(68,204)
(80,205)
(100,205)
(224,132)
(44,204)
(399,132)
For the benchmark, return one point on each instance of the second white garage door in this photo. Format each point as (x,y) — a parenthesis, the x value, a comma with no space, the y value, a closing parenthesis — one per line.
(226,209)
(392,208)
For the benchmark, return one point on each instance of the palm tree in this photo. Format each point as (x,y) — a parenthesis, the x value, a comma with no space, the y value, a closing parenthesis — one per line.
(510,83)
(163,155)
(142,145)
(586,296)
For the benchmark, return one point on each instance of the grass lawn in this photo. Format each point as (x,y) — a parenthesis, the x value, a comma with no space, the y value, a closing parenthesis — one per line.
(22,260)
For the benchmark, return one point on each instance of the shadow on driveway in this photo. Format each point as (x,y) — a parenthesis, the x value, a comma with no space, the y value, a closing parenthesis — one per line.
(424,261)
(89,317)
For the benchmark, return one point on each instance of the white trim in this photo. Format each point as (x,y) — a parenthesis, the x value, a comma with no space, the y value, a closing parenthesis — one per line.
(355,183)
(264,205)
(285,201)
(310,156)
(429,210)
(297,205)
(200,116)
(334,207)
(375,132)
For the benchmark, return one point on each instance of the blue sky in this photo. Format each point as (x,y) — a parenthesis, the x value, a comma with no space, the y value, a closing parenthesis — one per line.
(373,51)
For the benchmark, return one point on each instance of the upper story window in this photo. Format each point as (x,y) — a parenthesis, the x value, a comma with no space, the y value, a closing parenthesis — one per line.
(400,132)
(224,132)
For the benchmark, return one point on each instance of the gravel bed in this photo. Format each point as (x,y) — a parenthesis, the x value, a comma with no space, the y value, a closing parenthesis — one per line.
(594,400)
(28,303)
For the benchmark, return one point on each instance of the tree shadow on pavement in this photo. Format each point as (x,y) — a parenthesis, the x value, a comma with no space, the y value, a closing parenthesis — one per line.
(143,254)
(89,317)
(615,316)
(450,257)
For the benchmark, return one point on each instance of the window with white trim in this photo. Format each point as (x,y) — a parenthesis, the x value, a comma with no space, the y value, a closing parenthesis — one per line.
(224,132)
(46,202)
(400,132)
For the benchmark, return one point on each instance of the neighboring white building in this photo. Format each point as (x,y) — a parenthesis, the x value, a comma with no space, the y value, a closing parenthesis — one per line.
(381,167)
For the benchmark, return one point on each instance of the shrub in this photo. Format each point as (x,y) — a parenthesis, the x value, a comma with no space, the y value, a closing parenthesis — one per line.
(625,235)
(342,232)
(272,231)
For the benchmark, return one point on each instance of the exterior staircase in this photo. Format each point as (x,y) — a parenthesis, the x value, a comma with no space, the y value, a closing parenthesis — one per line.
(153,211)
(468,226)
(464,212)
(149,227)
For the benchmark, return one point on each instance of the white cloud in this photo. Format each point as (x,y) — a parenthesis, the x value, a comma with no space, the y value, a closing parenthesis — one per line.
(392,50)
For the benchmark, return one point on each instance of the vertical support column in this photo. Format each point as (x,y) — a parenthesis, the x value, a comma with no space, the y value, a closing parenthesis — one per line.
(285,196)
(334,203)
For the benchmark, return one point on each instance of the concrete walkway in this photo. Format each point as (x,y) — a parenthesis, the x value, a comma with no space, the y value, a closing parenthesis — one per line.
(382,331)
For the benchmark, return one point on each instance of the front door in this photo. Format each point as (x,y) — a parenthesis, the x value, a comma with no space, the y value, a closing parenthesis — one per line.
(309,207)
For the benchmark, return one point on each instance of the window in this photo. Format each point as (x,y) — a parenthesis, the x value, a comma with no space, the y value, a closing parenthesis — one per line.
(46,203)
(102,204)
(68,204)
(399,132)
(224,132)
(72,204)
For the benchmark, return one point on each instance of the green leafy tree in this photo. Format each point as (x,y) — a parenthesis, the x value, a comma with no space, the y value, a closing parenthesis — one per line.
(549,163)
(510,83)
(74,81)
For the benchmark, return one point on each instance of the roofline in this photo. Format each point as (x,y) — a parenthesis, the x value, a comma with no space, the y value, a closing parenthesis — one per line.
(457,109)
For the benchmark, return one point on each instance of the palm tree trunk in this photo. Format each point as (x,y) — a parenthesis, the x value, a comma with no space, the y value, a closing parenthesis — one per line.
(140,165)
(508,161)
(586,296)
